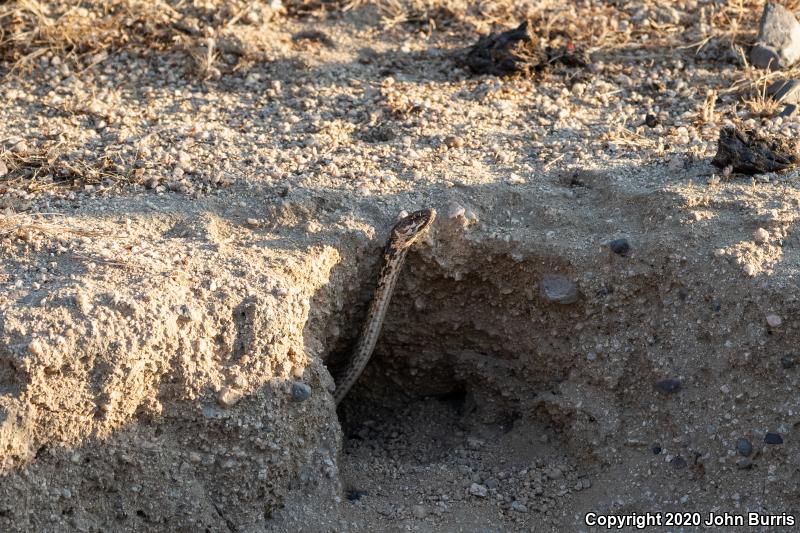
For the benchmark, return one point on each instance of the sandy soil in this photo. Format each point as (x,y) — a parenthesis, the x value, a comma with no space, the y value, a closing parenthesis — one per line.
(194,200)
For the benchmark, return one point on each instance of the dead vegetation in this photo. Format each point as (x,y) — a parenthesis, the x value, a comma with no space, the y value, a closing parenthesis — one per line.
(23,227)
(76,37)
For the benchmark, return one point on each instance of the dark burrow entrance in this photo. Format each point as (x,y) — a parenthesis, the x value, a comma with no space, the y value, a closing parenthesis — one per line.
(488,405)
(446,426)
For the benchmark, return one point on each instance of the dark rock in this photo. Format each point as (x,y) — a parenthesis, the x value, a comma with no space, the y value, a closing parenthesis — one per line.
(773,438)
(778,42)
(744,447)
(668,386)
(785,91)
(748,152)
(788,361)
(505,53)
(651,121)
(788,111)
(678,462)
(355,495)
(516,51)
(656,449)
(620,246)
(764,57)
(300,391)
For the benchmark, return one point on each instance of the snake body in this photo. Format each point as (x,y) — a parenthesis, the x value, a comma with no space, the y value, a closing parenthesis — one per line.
(404,233)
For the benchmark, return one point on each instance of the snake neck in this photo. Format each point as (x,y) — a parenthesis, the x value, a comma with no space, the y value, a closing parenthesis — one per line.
(387,280)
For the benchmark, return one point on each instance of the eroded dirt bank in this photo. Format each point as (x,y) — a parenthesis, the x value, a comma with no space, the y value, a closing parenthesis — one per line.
(179,381)
(194,197)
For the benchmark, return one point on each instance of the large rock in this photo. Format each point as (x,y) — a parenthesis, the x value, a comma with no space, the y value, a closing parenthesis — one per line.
(778,43)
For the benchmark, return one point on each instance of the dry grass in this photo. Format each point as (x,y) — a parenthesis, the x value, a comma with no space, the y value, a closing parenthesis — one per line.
(77,32)
(23,227)
(32,28)
(44,169)
(760,104)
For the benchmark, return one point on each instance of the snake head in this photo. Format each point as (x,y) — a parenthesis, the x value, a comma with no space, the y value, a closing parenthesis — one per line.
(409,228)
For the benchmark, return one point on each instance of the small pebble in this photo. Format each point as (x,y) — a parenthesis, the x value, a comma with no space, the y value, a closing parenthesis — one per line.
(300,391)
(678,462)
(656,449)
(189,314)
(3,169)
(455,210)
(556,288)
(744,447)
(478,490)
(555,473)
(228,396)
(774,321)
(620,246)
(788,110)
(773,438)
(668,386)
(36,347)
(355,494)
(761,235)
(518,507)
(788,361)
(419,512)
(451,141)
(651,120)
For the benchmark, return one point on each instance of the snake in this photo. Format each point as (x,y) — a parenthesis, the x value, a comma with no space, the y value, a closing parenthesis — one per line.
(404,233)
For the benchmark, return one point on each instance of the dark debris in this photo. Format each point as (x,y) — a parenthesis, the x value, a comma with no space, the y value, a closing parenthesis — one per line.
(516,51)
(748,152)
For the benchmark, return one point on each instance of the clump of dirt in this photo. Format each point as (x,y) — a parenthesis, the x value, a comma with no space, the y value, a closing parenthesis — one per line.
(748,152)
(516,51)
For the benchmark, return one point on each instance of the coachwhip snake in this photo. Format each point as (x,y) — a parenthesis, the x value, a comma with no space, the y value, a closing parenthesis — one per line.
(404,233)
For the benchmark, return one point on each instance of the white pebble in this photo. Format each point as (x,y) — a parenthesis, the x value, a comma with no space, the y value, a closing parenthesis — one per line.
(228,397)
(478,490)
(774,320)
(455,210)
